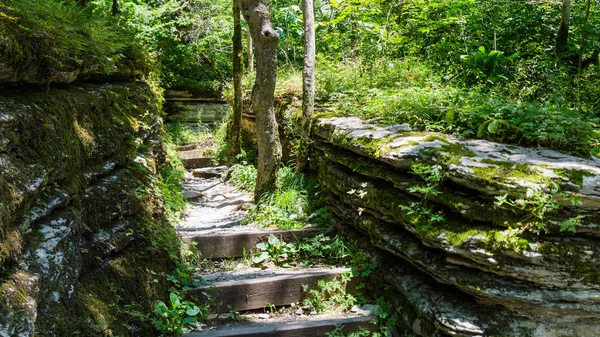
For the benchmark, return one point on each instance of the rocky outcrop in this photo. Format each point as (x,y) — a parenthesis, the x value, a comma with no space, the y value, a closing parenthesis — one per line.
(82,234)
(194,107)
(505,243)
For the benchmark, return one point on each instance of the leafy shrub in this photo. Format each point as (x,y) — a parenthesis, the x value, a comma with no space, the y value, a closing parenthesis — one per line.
(481,67)
(402,92)
(53,36)
(173,317)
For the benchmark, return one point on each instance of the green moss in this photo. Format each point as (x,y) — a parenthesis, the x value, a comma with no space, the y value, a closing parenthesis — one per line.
(434,137)
(502,171)
(574,175)
(447,154)
(325,115)
(372,147)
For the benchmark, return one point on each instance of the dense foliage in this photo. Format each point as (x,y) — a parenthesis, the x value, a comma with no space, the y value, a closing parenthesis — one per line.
(189,38)
(50,36)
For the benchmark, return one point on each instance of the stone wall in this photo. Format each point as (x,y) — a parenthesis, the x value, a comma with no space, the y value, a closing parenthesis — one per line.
(79,218)
(456,260)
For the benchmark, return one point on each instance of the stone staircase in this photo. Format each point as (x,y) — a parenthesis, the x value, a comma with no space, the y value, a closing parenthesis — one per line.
(213,221)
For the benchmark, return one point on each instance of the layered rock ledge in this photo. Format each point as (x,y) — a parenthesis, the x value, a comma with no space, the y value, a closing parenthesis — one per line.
(78,211)
(467,264)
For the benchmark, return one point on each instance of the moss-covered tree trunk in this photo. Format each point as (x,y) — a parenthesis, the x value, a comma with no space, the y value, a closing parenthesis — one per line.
(256,13)
(236,126)
(562,37)
(308,82)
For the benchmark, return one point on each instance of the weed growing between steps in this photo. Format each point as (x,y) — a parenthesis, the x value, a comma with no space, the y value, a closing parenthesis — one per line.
(320,249)
(342,295)
(330,295)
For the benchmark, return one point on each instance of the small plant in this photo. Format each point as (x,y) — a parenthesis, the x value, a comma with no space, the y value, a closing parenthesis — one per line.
(330,295)
(339,332)
(243,176)
(424,216)
(537,207)
(172,318)
(274,249)
(432,175)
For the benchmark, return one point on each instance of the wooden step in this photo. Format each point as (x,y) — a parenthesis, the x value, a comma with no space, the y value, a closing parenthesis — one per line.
(258,293)
(193,159)
(235,244)
(303,328)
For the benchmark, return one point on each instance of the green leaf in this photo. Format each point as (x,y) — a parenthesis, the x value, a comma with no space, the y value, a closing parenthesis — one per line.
(193,311)
(260,257)
(481,129)
(174,300)
(273,240)
(189,320)
(160,308)
(493,126)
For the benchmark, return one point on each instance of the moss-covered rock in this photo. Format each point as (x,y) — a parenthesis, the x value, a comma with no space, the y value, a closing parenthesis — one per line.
(477,266)
(490,168)
(83,239)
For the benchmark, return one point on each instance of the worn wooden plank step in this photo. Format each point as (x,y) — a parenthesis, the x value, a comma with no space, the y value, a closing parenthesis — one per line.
(235,244)
(258,293)
(193,159)
(304,328)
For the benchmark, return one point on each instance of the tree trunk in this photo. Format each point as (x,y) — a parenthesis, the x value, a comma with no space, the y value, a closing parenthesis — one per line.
(562,37)
(116,7)
(236,126)
(265,38)
(584,35)
(308,83)
(250,54)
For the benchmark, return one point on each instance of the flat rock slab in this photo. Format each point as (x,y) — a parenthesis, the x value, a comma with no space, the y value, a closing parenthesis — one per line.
(236,244)
(257,293)
(488,167)
(303,328)
(209,172)
(192,195)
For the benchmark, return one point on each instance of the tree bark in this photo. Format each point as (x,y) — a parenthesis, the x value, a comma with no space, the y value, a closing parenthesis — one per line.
(308,83)
(256,13)
(116,7)
(236,126)
(250,54)
(584,35)
(562,37)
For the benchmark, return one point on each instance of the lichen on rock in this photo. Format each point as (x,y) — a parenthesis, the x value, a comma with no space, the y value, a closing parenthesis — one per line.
(461,236)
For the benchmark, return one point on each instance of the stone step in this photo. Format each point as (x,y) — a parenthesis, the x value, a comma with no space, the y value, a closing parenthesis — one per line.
(300,328)
(209,172)
(280,289)
(220,245)
(194,159)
